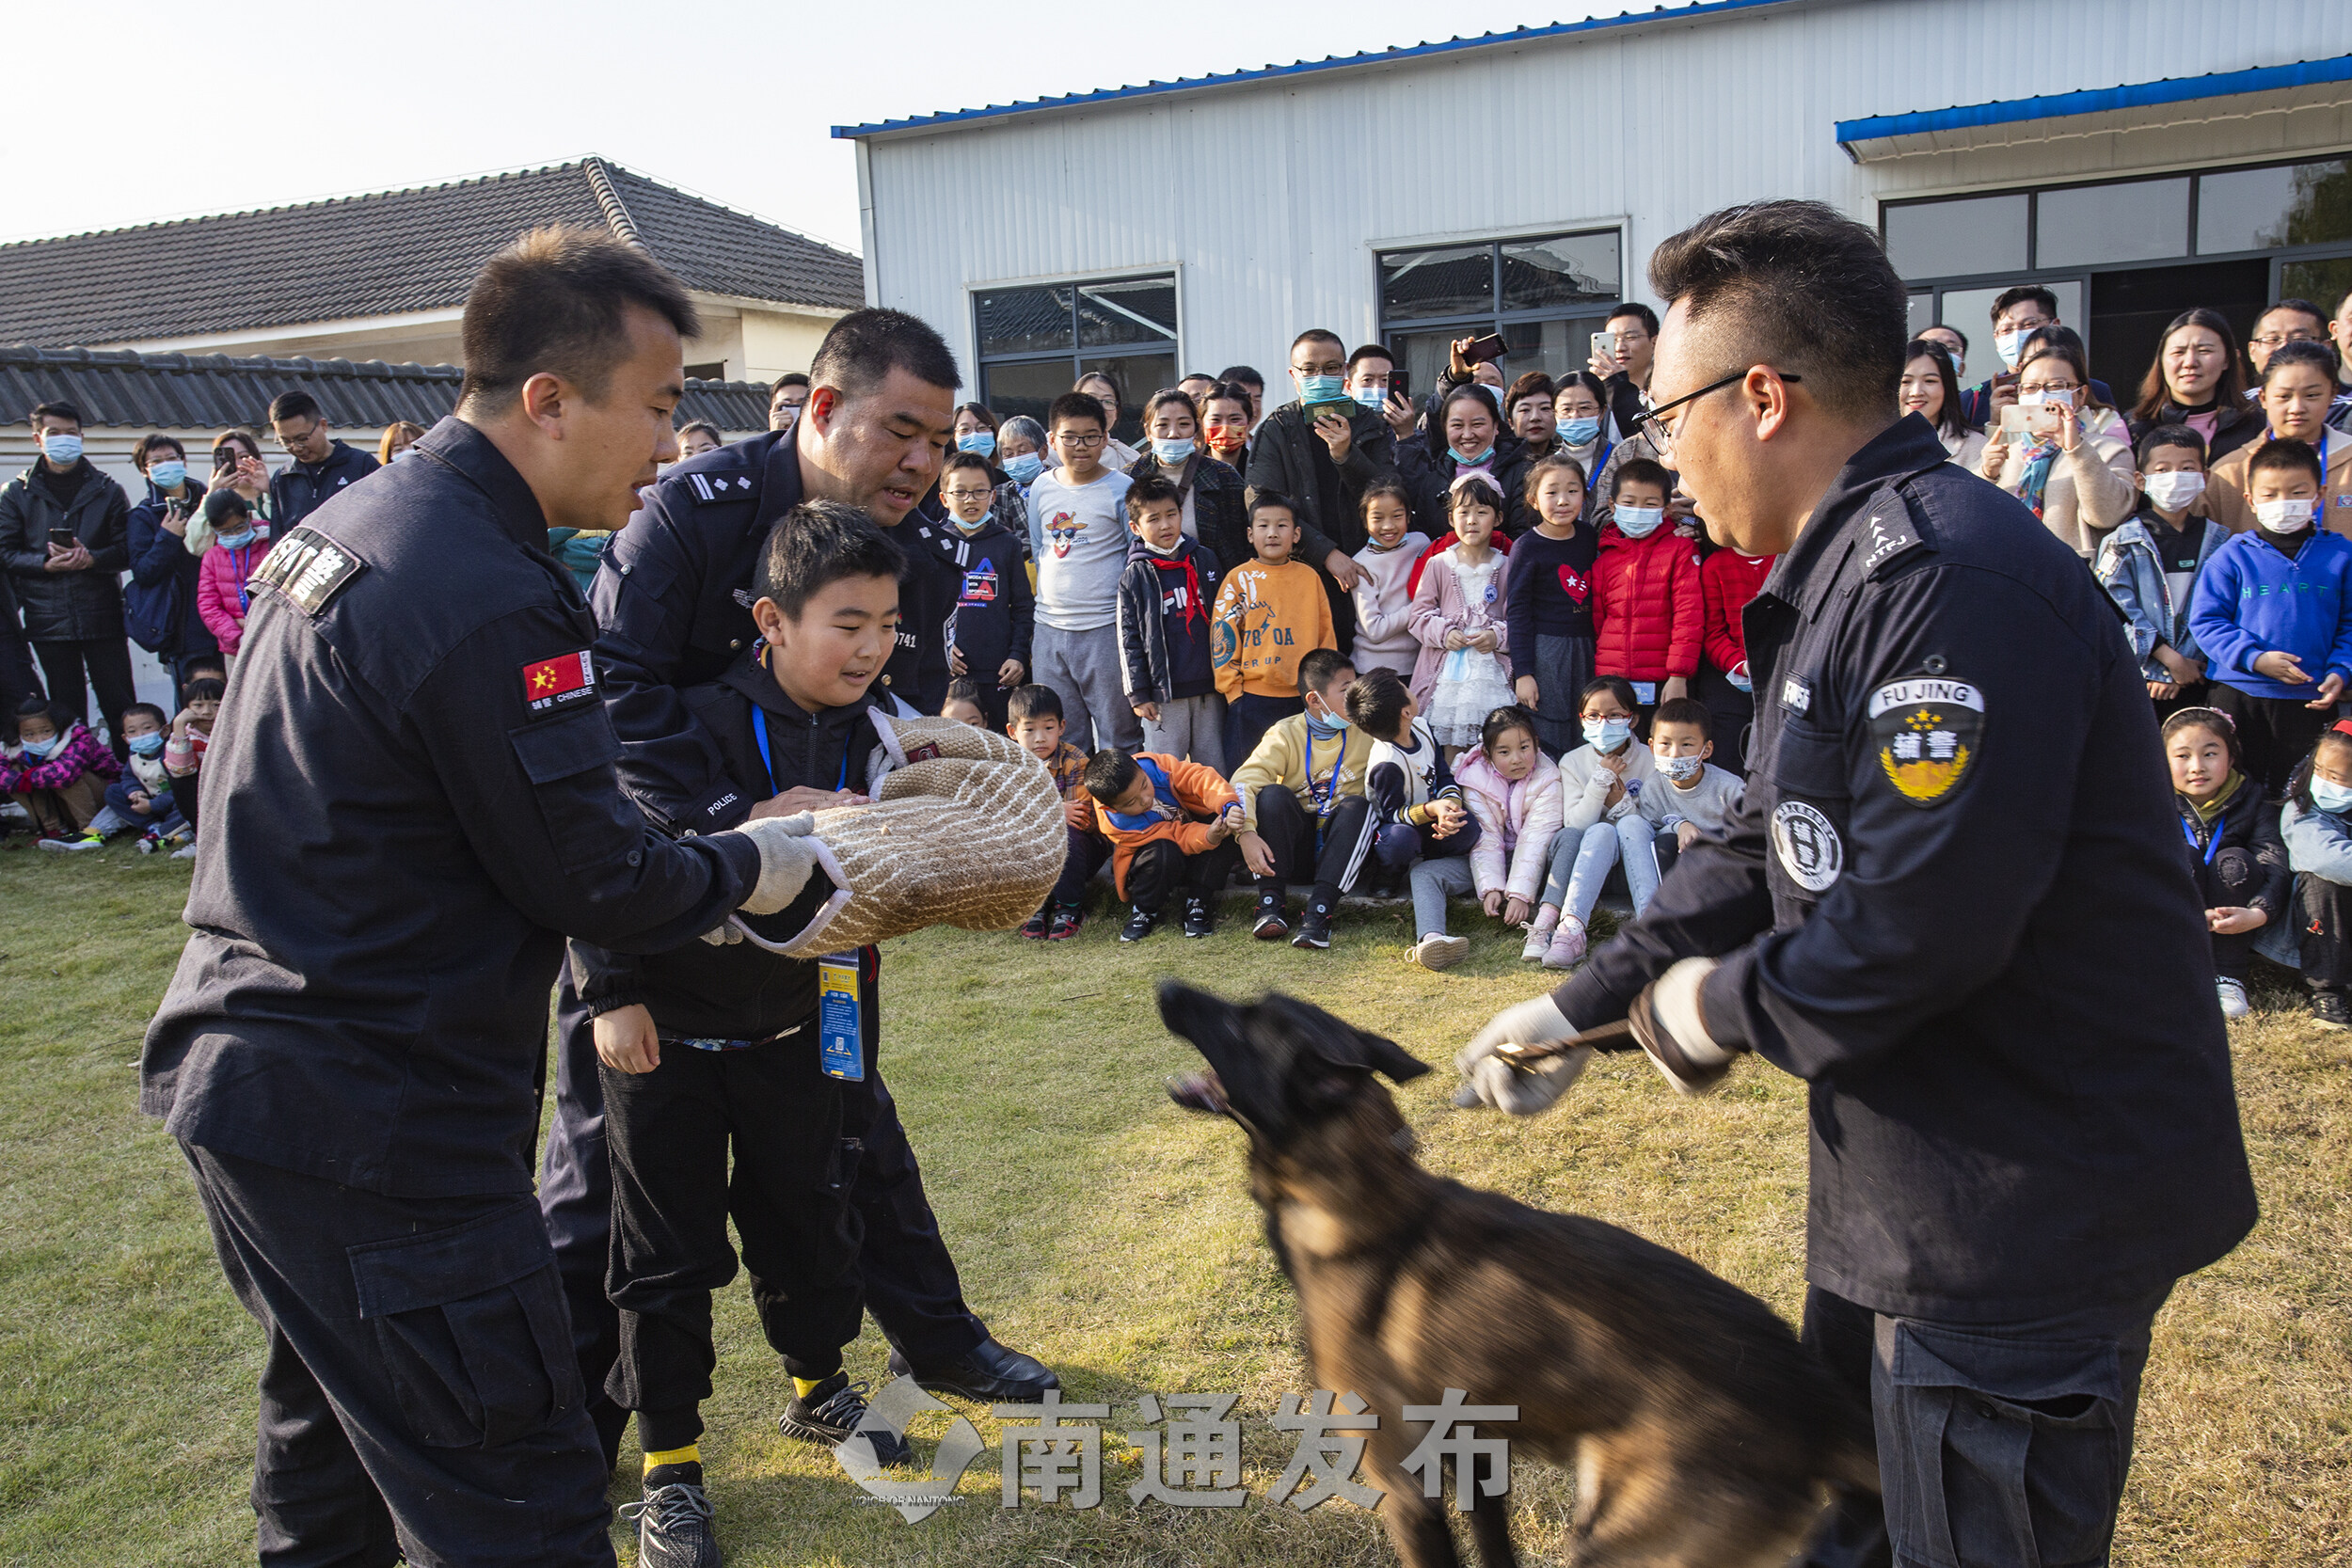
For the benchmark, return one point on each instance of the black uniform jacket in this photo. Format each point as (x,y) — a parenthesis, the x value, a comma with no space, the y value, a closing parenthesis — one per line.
(410,802)
(1954,901)
(674,608)
(742,991)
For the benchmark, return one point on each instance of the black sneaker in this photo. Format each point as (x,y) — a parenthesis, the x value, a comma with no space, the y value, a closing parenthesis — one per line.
(1200,920)
(830,1415)
(1271,925)
(674,1528)
(1315,930)
(2330,1009)
(1034,928)
(1139,926)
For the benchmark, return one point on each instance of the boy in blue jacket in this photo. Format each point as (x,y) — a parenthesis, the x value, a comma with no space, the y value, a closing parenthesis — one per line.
(2273,612)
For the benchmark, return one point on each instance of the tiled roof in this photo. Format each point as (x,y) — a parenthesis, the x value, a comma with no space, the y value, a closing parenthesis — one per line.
(206,391)
(390,253)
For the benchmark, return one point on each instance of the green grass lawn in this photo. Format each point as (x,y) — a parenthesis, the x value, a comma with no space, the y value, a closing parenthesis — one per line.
(1097,1226)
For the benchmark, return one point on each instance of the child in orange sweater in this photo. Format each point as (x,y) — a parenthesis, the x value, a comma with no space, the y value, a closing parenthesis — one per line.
(1270,614)
(1170,822)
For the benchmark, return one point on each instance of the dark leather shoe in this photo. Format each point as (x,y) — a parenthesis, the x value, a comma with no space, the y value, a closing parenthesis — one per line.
(989,1373)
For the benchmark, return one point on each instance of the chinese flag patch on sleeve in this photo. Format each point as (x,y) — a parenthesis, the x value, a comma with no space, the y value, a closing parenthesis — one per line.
(553,681)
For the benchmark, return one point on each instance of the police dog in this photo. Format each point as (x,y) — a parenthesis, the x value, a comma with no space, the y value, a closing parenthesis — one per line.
(1702,1435)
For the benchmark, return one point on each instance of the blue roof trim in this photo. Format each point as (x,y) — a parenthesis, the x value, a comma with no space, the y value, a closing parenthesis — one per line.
(2180,89)
(1698,11)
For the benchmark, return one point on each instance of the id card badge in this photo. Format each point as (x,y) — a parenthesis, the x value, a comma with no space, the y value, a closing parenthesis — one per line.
(840,1042)
(1646,692)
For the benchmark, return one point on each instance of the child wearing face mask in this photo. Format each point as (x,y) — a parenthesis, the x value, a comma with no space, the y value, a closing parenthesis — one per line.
(1384,599)
(2233,845)
(1513,792)
(224,575)
(1601,785)
(1650,603)
(1695,796)
(1460,619)
(2318,828)
(2149,565)
(995,613)
(57,771)
(142,797)
(2272,615)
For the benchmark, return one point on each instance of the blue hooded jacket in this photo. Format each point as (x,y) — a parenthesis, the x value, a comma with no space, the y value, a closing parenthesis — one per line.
(2253,598)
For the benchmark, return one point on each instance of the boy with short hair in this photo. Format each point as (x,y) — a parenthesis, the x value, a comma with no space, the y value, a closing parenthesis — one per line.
(1164,638)
(184,752)
(1698,796)
(1036,725)
(1304,814)
(1270,615)
(995,623)
(142,797)
(963,703)
(1170,823)
(1417,807)
(711,1050)
(1080,511)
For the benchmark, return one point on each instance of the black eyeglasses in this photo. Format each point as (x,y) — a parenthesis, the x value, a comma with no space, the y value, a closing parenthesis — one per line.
(1661,436)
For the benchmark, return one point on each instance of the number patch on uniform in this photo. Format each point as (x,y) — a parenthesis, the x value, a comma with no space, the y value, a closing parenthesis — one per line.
(1809,846)
(553,681)
(1929,733)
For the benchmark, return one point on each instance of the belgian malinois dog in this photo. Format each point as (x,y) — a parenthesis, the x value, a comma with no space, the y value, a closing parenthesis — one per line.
(1701,1432)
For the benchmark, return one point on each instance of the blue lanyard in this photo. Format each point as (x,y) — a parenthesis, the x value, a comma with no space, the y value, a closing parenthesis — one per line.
(767,754)
(1331,793)
(2211,844)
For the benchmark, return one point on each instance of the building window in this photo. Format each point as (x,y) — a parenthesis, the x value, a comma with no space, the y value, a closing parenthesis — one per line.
(1035,342)
(1545,296)
(2126,257)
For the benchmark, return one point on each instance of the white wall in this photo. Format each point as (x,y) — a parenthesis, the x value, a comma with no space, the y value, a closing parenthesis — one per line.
(1279,193)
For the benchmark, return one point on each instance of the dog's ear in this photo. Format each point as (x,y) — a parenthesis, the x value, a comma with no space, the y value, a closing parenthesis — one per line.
(1401,1065)
(1342,1044)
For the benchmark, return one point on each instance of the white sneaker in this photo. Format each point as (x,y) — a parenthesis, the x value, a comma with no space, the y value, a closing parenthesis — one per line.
(2233,1003)
(1438,952)
(1538,940)
(185,852)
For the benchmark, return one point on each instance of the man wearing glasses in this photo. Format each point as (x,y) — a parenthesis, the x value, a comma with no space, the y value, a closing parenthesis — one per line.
(1951,900)
(322,466)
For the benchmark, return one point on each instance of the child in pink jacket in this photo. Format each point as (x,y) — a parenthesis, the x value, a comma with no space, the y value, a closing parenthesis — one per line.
(1513,792)
(224,574)
(58,770)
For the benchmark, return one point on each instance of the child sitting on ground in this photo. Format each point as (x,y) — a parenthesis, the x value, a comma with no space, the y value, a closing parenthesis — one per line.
(142,797)
(1304,814)
(2149,565)
(1164,633)
(1459,617)
(1270,615)
(1417,809)
(223,574)
(1548,614)
(1649,604)
(1034,722)
(58,772)
(1513,791)
(1601,784)
(1384,599)
(2318,827)
(2235,848)
(184,754)
(1170,823)
(963,703)
(1693,796)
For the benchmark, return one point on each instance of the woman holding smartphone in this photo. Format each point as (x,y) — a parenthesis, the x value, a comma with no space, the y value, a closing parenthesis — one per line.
(236,463)
(2060,451)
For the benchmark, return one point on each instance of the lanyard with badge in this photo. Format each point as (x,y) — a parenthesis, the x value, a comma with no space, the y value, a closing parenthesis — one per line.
(840,1038)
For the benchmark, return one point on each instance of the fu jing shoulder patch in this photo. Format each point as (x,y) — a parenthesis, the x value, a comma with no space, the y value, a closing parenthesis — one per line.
(1929,731)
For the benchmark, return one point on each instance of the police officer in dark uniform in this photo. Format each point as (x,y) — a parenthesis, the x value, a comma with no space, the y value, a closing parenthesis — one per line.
(1952,900)
(674,601)
(412,805)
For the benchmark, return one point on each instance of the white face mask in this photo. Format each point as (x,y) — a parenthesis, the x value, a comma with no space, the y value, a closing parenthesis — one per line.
(2009,345)
(1638,522)
(2285,516)
(1680,769)
(2174,492)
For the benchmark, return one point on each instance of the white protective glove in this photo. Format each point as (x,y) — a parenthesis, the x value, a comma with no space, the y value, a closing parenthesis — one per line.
(784,860)
(1667,1022)
(1521,1091)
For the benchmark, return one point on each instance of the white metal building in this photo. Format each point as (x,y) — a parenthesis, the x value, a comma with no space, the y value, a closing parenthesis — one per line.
(2138,156)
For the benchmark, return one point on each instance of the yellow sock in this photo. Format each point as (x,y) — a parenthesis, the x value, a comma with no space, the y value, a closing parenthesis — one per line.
(690,1454)
(805,1386)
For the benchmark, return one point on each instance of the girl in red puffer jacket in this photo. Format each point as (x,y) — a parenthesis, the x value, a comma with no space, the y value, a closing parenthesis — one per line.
(1648,608)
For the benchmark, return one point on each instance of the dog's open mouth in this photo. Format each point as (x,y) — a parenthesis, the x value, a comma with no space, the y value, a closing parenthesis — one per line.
(1199,1091)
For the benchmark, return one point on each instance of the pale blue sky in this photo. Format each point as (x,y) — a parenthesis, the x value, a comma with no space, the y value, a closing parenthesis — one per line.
(154,112)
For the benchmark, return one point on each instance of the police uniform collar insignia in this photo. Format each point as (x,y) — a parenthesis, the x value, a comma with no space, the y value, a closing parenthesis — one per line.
(743,596)
(308,568)
(1929,731)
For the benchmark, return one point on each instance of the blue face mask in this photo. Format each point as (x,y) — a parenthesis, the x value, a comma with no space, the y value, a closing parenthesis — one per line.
(236,540)
(1323,388)
(145,745)
(1608,734)
(1468,460)
(1325,727)
(1373,398)
(44,748)
(2330,797)
(62,449)
(170,474)
(1579,433)
(981,441)
(1638,522)
(1171,451)
(1025,469)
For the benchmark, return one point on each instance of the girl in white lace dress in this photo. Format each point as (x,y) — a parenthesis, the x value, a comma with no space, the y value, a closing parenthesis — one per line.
(1464,670)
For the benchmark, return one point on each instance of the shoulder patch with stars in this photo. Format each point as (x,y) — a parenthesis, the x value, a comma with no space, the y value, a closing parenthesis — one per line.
(1929,731)
(308,568)
(722,486)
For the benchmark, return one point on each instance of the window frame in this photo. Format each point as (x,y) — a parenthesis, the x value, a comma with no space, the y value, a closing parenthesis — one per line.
(1078,352)
(1388,329)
